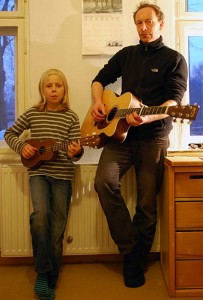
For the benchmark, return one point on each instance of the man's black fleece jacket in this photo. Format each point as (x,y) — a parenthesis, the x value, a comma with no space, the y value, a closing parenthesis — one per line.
(152,72)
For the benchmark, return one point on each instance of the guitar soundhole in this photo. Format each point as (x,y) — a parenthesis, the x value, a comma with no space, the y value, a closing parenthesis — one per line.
(42,150)
(112,114)
(109,118)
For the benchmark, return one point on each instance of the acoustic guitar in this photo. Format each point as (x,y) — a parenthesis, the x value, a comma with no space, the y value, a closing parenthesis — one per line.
(117,107)
(47,149)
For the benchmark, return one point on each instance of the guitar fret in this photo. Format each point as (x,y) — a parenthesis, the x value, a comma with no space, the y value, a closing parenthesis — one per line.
(121,113)
(63,145)
(141,111)
(153,110)
(60,146)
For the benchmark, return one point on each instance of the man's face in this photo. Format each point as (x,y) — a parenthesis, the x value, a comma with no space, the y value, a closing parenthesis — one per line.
(148,25)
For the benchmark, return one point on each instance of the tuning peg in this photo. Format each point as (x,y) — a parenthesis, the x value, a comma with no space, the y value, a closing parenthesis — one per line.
(182,121)
(189,122)
(174,120)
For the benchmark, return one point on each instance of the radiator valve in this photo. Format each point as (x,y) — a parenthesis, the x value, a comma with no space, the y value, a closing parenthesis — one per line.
(69,239)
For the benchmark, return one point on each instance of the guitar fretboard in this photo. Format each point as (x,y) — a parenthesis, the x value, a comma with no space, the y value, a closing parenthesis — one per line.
(62,145)
(142,111)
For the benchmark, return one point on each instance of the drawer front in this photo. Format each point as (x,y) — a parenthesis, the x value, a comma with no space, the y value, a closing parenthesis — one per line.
(189,215)
(189,245)
(189,185)
(189,274)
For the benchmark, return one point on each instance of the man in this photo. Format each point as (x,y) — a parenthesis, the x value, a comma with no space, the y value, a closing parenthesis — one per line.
(157,76)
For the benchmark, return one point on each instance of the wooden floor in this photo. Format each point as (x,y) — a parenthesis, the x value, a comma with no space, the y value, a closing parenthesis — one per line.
(85,281)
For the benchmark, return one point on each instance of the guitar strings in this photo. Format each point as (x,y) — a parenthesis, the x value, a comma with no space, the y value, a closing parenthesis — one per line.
(61,145)
(144,110)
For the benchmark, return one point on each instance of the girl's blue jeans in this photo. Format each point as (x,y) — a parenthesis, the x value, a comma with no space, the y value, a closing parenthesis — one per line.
(51,200)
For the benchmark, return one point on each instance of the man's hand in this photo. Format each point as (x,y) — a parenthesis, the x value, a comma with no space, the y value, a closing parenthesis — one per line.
(98,112)
(135,120)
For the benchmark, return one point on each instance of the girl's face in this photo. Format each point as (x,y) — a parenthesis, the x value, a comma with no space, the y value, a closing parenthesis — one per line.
(53,91)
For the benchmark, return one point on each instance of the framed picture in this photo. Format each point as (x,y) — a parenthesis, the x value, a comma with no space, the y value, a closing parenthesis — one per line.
(101,27)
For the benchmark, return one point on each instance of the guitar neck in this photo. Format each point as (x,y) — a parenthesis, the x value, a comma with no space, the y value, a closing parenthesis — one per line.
(63,145)
(142,111)
(91,141)
(60,146)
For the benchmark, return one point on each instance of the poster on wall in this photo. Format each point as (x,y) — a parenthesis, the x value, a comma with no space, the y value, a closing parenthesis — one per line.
(101,27)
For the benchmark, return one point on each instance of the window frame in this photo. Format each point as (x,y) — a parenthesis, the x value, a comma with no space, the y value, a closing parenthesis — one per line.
(18,13)
(185,23)
(17,21)
(182,14)
(186,28)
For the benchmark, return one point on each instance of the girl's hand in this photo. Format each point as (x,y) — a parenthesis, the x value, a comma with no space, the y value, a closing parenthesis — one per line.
(28,151)
(74,149)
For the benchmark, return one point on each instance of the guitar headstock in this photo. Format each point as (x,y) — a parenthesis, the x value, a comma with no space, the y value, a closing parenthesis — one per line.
(90,140)
(188,112)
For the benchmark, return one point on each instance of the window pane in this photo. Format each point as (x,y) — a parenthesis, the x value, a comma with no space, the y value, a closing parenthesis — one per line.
(194,6)
(7,5)
(195,46)
(7,82)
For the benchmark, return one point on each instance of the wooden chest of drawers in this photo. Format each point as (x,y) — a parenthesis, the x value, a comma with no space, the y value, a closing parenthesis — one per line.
(181,226)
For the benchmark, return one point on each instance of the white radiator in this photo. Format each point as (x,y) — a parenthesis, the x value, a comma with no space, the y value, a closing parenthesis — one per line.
(15,210)
(87,231)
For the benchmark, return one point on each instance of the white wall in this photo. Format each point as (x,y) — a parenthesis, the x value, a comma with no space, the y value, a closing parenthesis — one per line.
(55,40)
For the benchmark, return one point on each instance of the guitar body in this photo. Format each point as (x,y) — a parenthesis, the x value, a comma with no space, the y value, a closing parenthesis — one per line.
(47,149)
(112,126)
(41,155)
(117,108)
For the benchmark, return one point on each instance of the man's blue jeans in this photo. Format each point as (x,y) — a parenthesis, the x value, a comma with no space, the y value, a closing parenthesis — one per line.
(147,157)
(51,200)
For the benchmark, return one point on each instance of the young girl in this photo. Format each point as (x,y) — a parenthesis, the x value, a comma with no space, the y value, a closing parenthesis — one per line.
(51,119)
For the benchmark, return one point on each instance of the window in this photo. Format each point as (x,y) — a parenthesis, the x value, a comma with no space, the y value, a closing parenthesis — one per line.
(9,5)
(189,31)
(12,62)
(194,6)
(7,77)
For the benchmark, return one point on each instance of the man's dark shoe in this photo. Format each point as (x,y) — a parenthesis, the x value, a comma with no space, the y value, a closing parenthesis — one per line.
(132,270)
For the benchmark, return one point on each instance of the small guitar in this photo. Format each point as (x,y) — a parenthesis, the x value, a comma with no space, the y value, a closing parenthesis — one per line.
(48,149)
(117,108)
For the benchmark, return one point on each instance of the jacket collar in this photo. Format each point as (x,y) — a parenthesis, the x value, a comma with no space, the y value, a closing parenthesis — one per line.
(155,45)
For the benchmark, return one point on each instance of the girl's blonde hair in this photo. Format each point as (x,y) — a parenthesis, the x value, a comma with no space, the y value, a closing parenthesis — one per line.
(41,105)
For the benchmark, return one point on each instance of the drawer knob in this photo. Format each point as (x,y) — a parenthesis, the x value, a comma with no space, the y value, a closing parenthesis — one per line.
(196,176)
